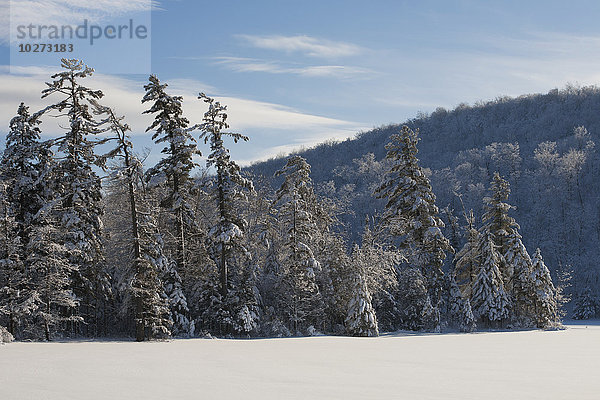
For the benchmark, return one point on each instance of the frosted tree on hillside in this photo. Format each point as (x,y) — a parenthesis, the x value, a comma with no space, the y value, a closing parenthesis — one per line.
(467,260)
(145,292)
(489,299)
(410,211)
(546,306)
(295,202)
(586,305)
(522,294)
(80,188)
(361,319)
(501,226)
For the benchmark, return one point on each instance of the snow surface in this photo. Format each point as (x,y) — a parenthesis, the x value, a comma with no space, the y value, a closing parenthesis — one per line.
(497,365)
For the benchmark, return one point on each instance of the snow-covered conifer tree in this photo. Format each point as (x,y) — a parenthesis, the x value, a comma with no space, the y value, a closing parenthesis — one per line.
(226,236)
(51,270)
(40,274)
(467,260)
(47,258)
(172,128)
(545,304)
(489,300)
(523,291)
(411,213)
(497,221)
(295,200)
(14,283)
(334,278)
(361,319)
(20,170)
(80,189)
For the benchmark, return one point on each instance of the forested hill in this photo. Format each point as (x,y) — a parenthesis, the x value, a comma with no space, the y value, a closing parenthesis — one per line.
(535,141)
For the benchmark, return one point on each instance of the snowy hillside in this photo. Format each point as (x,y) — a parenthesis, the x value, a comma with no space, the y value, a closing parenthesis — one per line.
(511,365)
(532,141)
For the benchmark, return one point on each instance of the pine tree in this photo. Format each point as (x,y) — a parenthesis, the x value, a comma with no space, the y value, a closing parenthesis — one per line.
(523,290)
(334,279)
(502,226)
(489,299)
(39,294)
(295,201)
(245,304)
(410,211)
(172,128)
(51,272)
(546,306)
(15,298)
(20,169)
(226,236)
(80,190)
(47,261)
(467,260)
(361,319)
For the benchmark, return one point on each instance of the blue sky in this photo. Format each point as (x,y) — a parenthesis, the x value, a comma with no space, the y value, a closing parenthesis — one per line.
(297,73)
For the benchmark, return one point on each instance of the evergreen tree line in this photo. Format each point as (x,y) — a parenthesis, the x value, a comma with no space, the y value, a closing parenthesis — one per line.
(159,252)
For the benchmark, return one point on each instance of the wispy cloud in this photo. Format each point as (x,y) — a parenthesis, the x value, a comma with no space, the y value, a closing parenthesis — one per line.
(306,45)
(273,128)
(64,12)
(240,64)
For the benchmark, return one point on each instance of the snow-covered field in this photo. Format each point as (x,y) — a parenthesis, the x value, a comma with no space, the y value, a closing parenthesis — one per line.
(503,365)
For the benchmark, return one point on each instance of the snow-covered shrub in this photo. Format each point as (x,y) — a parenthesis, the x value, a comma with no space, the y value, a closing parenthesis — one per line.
(275,328)
(5,336)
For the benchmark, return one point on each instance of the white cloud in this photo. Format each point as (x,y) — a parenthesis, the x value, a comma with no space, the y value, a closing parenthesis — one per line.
(306,45)
(273,128)
(240,64)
